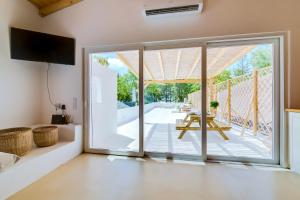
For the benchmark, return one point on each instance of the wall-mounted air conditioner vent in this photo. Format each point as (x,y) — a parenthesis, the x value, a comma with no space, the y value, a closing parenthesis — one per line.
(191,8)
(167,7)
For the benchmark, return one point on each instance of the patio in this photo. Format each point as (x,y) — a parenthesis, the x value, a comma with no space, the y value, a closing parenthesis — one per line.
(160,136)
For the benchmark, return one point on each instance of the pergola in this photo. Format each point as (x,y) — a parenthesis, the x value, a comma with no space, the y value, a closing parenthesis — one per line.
(182,65)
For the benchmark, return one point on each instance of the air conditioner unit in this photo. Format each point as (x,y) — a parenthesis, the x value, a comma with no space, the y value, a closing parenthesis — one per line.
(171,7)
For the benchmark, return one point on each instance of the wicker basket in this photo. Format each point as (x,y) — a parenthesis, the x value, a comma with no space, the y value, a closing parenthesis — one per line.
(16,140)
(45,136)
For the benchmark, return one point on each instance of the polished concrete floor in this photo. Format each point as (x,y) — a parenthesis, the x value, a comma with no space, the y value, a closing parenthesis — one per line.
(120,178)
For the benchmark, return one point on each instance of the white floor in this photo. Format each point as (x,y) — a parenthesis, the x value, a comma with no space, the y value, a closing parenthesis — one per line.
(121,178)
(160,136)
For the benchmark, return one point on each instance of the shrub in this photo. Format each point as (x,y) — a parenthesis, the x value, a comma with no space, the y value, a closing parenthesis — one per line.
(214,104)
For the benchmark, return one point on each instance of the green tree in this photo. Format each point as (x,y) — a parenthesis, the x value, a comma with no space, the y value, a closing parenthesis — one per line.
(242,66)
(167,92)
(262,58)
(183,89)
(224,76)
(194,87)
(126,84)
(152,93)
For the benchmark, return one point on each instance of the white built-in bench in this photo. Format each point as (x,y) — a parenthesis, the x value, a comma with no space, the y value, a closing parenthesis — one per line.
(41,161)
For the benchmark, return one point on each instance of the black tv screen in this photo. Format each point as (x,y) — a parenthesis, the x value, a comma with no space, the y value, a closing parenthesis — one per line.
(42,47)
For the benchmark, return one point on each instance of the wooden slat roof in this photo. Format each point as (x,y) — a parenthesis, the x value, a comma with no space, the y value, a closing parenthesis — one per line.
(177,65)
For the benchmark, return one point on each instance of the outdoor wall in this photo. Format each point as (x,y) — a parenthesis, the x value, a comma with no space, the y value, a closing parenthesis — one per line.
(104,104)
(126,115)
(19,80)
(95,23)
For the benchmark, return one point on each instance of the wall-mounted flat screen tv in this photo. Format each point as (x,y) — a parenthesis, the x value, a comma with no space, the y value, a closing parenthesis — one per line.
(41,47)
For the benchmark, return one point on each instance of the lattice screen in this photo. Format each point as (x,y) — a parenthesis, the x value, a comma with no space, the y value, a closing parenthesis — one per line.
(242,94)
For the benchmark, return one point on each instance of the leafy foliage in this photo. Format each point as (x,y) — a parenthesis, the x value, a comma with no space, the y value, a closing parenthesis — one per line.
(169,92)
(242,66)
(153,93)
(224,76)
(214,104)
(126,85)
(259,58)
(103,61)
(183,89)
(262,58)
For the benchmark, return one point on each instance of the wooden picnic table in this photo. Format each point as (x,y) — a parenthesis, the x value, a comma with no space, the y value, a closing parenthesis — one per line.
(186,124)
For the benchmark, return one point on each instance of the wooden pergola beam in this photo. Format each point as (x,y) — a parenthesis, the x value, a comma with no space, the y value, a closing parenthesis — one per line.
(59,5)
(161,64)
(239,55)
(234,59)
(150,75)
(197,59)
(177,63)
(146,85)
(172,81)
(125,61)
(217,57)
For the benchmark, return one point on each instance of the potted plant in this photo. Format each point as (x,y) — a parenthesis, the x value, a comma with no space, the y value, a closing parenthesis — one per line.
(214,105)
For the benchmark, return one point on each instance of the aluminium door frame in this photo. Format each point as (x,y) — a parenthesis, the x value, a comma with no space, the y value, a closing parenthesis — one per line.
(205,41)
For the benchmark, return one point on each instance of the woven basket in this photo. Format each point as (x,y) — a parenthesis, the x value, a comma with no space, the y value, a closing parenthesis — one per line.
(16,140)
(45,136)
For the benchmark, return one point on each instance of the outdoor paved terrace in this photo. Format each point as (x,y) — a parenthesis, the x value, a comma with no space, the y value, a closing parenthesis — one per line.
(161,136)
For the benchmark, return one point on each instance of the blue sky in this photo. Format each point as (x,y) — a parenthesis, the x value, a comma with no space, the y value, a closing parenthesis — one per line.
(250,55)
(114,63)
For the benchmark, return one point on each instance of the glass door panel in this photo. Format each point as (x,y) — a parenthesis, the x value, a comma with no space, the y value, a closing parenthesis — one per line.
(171,94)
(240,101)
(114,112)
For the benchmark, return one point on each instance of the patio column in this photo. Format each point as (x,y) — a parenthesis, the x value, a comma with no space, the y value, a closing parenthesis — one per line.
(229,101)
(255,101)
(212,93)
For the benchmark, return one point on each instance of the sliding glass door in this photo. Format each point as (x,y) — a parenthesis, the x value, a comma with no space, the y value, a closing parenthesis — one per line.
(114,110)
(199,99)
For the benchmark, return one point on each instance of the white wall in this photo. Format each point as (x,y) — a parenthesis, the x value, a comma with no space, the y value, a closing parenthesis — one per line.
(126,115)
(19,80)
(64,85)
(94,23)
(104,104)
